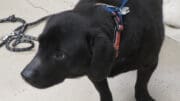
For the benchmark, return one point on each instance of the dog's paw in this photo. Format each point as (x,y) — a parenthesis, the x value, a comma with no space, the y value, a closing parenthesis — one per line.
(144,98)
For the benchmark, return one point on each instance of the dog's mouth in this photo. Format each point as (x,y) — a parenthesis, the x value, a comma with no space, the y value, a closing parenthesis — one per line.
(41,84)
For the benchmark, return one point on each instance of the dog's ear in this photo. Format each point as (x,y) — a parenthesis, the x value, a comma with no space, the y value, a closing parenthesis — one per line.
(102,57)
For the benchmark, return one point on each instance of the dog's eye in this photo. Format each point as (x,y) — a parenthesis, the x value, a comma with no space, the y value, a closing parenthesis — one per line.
(60,56)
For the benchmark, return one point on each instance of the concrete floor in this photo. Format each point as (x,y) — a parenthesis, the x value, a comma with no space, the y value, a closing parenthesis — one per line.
(164,85)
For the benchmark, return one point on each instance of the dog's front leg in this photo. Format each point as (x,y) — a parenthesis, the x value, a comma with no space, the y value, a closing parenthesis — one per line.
(141,88)
(103,89)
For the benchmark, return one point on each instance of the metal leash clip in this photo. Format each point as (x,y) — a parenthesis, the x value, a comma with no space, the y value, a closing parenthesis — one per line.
(124,10)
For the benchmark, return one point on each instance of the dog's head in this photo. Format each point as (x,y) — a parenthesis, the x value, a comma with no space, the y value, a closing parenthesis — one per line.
(67,49)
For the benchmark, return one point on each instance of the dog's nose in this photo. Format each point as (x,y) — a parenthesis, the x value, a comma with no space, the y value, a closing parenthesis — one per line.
(30,71)
(29,74)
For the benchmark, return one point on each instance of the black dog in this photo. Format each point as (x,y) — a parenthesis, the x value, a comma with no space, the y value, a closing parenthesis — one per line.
(80,42)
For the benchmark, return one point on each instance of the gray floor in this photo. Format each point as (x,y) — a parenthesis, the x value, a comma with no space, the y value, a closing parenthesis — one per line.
(164,85)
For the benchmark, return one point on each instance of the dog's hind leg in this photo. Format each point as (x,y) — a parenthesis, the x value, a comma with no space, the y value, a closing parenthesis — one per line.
(103,89)
(141,87)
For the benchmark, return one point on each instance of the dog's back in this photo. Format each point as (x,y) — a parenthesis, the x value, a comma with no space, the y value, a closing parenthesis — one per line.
(141,40)
(143,35)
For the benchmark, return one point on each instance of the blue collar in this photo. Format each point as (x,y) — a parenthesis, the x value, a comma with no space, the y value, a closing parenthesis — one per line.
(118,12)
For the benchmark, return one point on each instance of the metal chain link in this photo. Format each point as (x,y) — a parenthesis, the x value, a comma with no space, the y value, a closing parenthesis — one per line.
(13,40)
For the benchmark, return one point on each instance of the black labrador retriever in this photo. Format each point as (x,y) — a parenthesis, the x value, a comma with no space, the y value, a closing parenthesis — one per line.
(79,42)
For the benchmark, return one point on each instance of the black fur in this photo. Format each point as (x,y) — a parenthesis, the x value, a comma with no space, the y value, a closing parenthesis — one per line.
(80,42)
